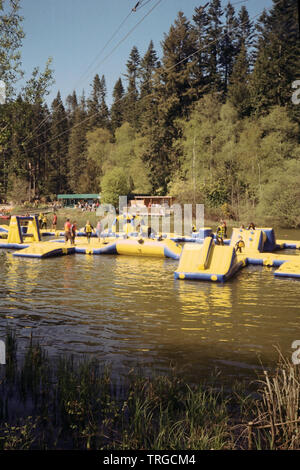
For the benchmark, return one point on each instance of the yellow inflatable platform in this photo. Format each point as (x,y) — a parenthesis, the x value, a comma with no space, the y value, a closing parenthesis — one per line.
(45,250)
(289,269)
(147,247)
(208,262)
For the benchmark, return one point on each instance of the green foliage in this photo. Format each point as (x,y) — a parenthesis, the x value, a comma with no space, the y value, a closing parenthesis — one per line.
(114,184)
(209,121)
(11,36)
(37,87)
(18,192)
(281,197)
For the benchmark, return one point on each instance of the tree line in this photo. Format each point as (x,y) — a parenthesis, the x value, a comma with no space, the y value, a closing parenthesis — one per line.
(210,121)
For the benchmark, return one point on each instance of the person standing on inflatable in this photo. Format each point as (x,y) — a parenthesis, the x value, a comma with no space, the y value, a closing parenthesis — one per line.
(220,234)
(68,235)
(44,221)
(88,231)
(54,221)
(73,232)
(99,230)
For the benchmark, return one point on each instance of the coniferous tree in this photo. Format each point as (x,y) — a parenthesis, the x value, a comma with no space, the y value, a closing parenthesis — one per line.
(245,30)
(278,57)
(229,44)
(71,106)
(132,94)
(117,108)
(147,102)
(177,72)
(238,90)
(213,45)
(148,65)
(97,110)
(77,153)
(104,112)
(57,168)
(200,19)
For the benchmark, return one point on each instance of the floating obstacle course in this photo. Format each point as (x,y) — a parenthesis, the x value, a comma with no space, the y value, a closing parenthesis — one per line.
(212,262)
(203,260)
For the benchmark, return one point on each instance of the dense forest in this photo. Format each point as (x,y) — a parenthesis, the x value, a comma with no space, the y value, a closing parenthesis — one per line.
(210,121)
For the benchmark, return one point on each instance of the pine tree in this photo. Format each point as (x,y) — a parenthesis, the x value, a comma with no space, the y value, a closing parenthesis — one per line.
(278,57)
(96,105)
(177,73)
(200,19)
(147,103)
(229,44)
(77,153)
(71,105)
(132,94)
(238,90)
(104,112)
(245,32)
(148,65)
(117,108)
(57,169)
(212,42)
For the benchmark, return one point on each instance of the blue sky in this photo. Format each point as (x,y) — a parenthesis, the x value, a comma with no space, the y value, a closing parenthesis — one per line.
(73,32)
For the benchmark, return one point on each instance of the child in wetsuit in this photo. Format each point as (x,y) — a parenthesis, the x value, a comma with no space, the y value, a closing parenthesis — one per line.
(239,245)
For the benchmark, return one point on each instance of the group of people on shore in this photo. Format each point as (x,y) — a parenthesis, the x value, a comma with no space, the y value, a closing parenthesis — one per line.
(87,207)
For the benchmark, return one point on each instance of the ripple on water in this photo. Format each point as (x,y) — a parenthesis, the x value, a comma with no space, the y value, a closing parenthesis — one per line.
(129,310)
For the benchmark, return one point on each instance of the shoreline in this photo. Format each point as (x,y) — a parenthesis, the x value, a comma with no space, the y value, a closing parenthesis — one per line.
(67,404)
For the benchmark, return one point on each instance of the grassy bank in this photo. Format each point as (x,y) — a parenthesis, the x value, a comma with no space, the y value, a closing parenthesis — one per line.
(62,214)
(66,404)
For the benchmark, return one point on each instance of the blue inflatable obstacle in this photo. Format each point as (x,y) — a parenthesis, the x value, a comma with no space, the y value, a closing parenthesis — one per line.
(195,237)
(93,249)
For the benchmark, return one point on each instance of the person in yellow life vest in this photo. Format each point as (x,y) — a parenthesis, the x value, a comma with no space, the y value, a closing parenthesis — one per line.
(220,234)
(194,228)
(40,219)
(44,221)
(239,244)
(88,229)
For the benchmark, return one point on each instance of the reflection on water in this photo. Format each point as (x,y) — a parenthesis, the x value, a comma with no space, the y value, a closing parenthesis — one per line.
(130,311)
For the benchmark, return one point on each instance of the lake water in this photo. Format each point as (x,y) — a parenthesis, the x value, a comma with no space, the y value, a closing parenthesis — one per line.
(130,312)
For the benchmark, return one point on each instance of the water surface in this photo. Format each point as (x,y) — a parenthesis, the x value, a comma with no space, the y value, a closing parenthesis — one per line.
(130,312)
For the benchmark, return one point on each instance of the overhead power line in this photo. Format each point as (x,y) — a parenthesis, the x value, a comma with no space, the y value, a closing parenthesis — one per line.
(137,7)
(167,70)
(84,75)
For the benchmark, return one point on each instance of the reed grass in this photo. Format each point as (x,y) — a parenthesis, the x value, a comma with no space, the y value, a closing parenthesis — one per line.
(66,403)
